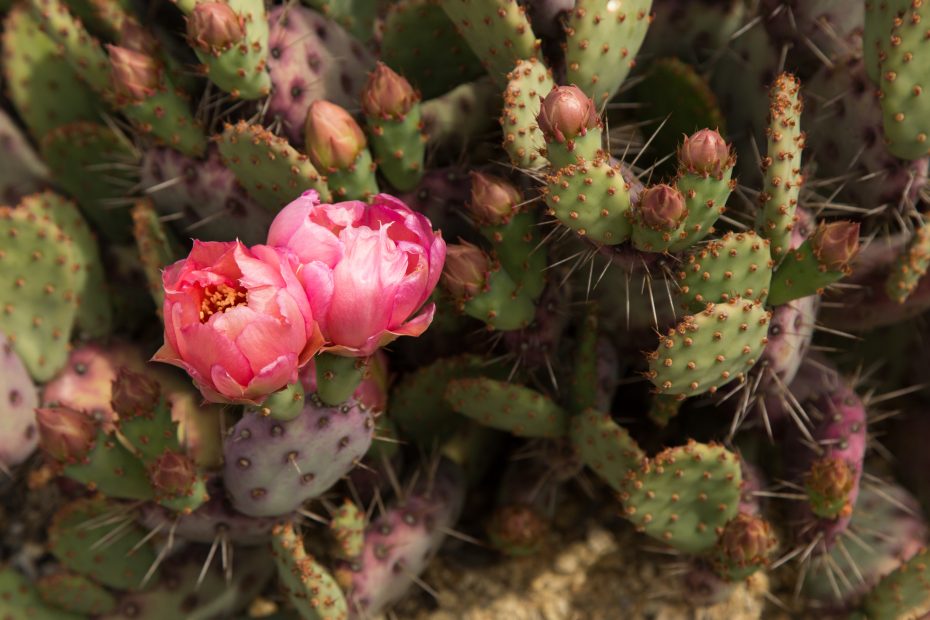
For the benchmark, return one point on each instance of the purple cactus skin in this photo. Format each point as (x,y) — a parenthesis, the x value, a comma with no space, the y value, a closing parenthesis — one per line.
(18,401)
(215,518)
(310,58)
(790,332)
(272,466)
(842,435)
(400,544)
(213,205)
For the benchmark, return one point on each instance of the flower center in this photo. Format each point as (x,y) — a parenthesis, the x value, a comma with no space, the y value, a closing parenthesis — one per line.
(220,298)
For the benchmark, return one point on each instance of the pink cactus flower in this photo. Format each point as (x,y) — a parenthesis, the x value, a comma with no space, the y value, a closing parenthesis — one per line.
(366,268)
(237,320)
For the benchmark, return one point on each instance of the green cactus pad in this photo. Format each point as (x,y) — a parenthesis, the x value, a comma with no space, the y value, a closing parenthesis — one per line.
(710,349)
(400,147)
(90,162)
(285,404)
(20,601)
(605,447)
(421,43)
(782,165)
(240,70)
(518,245)
(157,247)
(165,117)
(905,593)
(337,377)
(38,305)
(75,593)
(150,434)
(662,408)
(684,496)
(737,265)
(706,197)
(876,39)
(905,107)
(84,541)
(347,528)
(592,199)
(676,97)
(418,406)
(37,80)
(800,274)
(462,114)
(357,182)
(528,82)
(82,51)
(911,266)
(113,470)
(507,407)
(602,40)
(584,386)
(356,16)
(501,305)
(310,587)
(269,169)
(94,317)
(496,30)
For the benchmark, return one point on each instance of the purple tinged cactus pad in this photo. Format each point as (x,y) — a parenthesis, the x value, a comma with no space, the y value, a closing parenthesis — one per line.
(202,197)
(790,333)
(272,467)
(18,400)
(310,58)
(684,496)
(400,543)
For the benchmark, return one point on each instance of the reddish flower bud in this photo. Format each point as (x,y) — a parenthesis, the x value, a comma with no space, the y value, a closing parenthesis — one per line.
(134,394)
(388,94)
(334,140)
(173,474)
(836,244)
(746,541)
(829,483)
(704,151)
(214,27)
(662,207)
(493,199)
(65,434)
(134,75)
(566,113)
(465,270)
(517,530)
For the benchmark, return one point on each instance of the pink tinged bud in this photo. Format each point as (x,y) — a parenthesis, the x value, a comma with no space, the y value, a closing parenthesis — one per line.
(135,76)
(134,394)
(662,207)
(829,484)
(466,270)
(567,113)
(836,244)
(493,199)
(173,474)
(747,540)
(704,151)
(388,95)
(334,140)
(65,434)
(238,320)
(214,27)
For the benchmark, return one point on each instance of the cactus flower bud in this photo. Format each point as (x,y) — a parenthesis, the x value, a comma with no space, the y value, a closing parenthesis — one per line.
(829,483)
(334,139)
(493,199)
(135,76)
(836,244)
(704,151)
(662,207)
(65,434)
(465,271)
(566,113)
(173,474)
(134,394)
(744,546)
(388,95)
(517,529)
(214,27)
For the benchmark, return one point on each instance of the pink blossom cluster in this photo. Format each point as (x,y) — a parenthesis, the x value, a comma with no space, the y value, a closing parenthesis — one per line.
(345,278)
